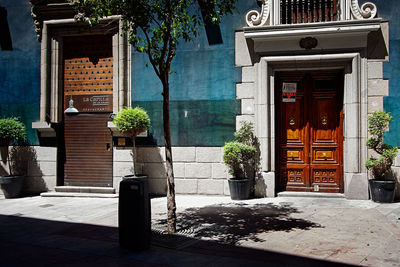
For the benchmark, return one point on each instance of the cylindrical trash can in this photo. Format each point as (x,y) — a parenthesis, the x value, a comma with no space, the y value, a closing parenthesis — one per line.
(134,217)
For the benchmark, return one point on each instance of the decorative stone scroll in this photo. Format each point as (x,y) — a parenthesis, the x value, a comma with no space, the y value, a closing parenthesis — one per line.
(38,23)
(366,11)
(257,19)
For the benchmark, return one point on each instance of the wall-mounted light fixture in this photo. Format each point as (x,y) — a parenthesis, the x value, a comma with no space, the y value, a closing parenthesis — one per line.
(71,109)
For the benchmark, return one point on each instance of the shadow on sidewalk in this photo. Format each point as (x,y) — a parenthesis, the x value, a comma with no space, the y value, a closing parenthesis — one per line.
(28,241)
(235,222)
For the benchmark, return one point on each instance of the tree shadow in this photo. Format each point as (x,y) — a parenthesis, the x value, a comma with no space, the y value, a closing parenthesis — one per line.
(24,162)
(235,222)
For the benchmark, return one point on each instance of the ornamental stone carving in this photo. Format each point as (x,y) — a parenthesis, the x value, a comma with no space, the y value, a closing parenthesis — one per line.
(257,19)
(366,11)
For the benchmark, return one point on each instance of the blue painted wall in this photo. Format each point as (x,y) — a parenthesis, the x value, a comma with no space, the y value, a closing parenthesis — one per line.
(389,10)
(203,91)
(20,68)
(203,104)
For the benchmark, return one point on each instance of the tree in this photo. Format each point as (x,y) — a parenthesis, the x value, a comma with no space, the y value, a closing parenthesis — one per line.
(155,27)
(132,121)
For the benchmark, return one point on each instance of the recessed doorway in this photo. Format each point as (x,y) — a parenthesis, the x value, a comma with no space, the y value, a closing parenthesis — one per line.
(309,128)
(88,82)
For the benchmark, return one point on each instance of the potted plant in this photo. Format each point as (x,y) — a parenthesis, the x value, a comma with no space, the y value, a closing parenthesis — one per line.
(382,185)
(134,228)
(11,129)
(239,156)
(131,122)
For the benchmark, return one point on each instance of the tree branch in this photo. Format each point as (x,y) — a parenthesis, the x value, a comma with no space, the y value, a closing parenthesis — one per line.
(152,61)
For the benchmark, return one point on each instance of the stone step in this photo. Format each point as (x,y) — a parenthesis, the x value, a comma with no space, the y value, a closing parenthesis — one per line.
(310,194)
(77,194)
(85,189)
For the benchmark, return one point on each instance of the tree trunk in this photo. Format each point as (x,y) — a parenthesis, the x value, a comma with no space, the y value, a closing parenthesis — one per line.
(134,154)
(171,205)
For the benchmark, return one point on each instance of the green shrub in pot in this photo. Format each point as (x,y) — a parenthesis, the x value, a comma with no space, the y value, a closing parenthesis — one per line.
(132,121)
(236,156)
(382,184)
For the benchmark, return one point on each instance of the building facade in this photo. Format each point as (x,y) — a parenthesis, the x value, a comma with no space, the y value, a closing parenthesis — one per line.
(306,73)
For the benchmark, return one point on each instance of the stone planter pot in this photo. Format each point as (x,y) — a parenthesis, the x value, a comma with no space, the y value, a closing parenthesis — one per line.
(11,185)
(382,191)
(239,188)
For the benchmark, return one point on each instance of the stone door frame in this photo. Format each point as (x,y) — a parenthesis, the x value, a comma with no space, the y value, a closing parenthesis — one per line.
(355,108)
(51,97)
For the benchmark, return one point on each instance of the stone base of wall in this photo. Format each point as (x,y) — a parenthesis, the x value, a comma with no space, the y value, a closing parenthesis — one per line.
(197,170)
(37,163)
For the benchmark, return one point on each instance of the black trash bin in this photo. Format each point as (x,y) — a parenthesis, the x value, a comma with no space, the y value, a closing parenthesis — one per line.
(134,217)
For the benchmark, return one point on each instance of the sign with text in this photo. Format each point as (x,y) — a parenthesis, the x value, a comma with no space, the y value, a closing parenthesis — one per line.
(289,92)
(90,103)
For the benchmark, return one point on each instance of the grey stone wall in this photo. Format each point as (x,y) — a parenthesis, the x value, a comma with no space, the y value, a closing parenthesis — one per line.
(38,164)
(197,170)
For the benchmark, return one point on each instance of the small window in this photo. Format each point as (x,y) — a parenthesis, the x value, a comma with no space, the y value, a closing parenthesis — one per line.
(5,35)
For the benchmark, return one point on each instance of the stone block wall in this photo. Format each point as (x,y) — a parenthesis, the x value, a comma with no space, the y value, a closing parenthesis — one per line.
(378,87)
(37,163)
(396,172)
(245,90)
(197,170)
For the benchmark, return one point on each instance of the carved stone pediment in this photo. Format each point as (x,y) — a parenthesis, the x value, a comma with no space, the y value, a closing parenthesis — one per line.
(43,10)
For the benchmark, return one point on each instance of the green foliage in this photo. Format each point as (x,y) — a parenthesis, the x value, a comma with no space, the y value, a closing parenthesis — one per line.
(245,134)
(236,154)
(378,123)
(132,121)
(242,154)
(12,129)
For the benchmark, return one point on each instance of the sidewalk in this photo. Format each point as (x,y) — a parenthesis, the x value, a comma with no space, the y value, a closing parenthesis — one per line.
(213,231)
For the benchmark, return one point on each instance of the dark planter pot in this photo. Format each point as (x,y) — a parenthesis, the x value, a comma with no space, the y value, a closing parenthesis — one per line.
(382,191)
(239,188)
(130,176)
(11,185)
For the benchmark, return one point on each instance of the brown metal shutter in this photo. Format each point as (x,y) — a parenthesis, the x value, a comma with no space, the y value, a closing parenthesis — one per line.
(88,150)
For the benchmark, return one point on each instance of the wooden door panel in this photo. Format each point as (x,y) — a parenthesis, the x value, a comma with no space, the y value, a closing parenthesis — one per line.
(325,130)
(326,178)
(294,153)
(294,122)
(325,123)
(295,176)
(310,147)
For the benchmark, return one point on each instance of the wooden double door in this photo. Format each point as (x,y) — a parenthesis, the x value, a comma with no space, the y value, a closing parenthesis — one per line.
(309,131)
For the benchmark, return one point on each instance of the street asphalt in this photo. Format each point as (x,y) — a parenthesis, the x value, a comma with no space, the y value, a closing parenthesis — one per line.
(212,231)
